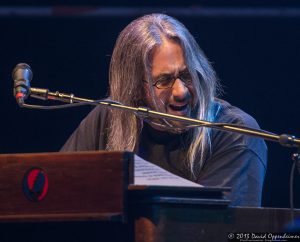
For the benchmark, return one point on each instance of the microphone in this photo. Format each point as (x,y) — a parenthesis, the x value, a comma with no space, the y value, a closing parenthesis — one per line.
(22,76)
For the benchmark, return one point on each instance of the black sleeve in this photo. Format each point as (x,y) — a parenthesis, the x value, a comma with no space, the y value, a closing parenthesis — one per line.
(237,161)
(90,134)
(239,168)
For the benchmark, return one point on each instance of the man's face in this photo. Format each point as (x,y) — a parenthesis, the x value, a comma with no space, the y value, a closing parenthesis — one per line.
(168,66)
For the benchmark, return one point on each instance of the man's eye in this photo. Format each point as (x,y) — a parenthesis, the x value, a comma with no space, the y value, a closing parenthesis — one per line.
(164,81)
(186,76)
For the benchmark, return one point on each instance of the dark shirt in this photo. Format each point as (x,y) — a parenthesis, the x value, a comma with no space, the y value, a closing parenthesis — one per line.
(237,161)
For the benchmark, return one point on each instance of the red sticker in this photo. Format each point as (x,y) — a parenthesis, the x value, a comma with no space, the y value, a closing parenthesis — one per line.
(35,184)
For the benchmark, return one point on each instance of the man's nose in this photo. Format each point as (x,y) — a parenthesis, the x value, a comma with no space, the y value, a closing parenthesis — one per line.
(179,89)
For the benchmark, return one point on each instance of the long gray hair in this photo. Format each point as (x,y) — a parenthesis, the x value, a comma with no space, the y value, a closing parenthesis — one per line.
(131,64)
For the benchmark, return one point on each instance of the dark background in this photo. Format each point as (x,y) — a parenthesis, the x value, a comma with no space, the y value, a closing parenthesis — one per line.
(253,45)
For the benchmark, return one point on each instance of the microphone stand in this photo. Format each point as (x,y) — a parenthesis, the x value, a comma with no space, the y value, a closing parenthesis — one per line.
(284,139)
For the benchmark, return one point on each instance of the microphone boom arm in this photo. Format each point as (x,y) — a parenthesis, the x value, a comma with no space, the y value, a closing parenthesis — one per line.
(284,139)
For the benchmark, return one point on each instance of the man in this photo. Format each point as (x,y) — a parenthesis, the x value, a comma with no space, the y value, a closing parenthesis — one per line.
(157,63)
